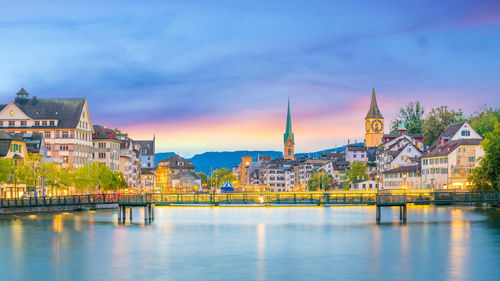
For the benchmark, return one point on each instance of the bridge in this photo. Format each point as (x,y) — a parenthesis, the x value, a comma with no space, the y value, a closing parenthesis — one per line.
(398,198)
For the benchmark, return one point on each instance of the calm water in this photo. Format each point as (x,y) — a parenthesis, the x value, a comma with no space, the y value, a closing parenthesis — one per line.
(309,243)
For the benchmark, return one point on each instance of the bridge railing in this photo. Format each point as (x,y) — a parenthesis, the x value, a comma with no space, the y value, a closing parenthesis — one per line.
(390,199)
(59,200)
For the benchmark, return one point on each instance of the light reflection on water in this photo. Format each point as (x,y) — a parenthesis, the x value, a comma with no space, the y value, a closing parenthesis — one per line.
(310,243)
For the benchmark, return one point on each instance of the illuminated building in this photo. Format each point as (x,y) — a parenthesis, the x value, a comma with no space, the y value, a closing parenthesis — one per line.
(374,124)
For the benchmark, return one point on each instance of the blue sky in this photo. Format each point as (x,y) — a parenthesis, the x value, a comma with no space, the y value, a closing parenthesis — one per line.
(216,75)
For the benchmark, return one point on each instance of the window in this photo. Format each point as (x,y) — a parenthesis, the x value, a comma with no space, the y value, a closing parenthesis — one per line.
(354,155)
(37,123)
(23,123)
(461,149)
(47,135)
(65,135)
(65,159)
(431,161)
(102,145)
(63,147)
(12,123)
(57,135)
(48,146)
(465,133)
(472,158)
(1,123)
(44,123)
(102,155)
(52,123)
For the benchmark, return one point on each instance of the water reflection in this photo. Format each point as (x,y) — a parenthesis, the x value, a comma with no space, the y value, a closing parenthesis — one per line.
(459,234)
(261,251)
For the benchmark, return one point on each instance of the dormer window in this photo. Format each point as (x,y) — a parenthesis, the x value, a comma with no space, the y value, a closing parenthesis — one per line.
(44,123)
(52,123)
(465,133)
(180,163)
(37,123)
(12,123)
(23,124)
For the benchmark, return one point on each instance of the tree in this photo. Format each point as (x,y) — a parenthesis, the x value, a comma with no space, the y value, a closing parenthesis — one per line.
(412,115)
(5,170)
(204,179)
(320,180)
(486,177)
(483,121)
(437,120)
(220,176)
(87,177)
(358,171)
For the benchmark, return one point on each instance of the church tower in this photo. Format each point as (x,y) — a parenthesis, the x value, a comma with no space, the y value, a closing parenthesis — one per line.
(288,140)
(374,124)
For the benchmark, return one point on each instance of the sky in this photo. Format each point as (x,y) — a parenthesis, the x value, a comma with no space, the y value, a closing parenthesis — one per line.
(216,75)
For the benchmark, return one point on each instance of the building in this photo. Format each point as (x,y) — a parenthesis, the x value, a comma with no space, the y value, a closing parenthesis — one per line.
(277,175)
(106,147)
(356,153)
(13,148)
(374,124)
(364,185)
(405,177)
(147,162)
(176,173)
(452,157)
(64,122)
(148,179)
(243,173)
(129,160)
(304,169)
(416,139)
(34,143)
(337,169)
(288,138)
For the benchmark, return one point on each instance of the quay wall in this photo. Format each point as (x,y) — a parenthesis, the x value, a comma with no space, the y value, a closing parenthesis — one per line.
(67,208)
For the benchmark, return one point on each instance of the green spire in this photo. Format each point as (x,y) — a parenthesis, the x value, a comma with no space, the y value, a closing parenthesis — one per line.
(288,132)
(402,126)
(374,112)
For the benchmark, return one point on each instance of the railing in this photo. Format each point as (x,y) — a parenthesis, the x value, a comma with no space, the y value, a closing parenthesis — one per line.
(275,198)
(60,200)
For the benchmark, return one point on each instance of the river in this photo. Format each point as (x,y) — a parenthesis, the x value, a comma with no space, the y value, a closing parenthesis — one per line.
(254,243)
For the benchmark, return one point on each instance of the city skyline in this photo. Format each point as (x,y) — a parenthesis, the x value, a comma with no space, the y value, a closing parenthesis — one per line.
(212,78)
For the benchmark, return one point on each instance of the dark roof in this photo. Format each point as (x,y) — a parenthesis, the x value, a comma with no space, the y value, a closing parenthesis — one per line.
(356,148)
(410,135)
(404,169)
(66,110)
(448,133)
(147,171)
(149,145)
(173,163)
(184,174)
(374,112)
(102,133)
(5,140)
(449,146)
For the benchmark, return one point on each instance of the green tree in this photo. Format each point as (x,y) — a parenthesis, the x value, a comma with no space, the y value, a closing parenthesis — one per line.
(483,121)
(87,177)
(486,177)
(320,180)
(220,176)
(412,115)
(5,170)
(437,120)
(358,171)
(204,179)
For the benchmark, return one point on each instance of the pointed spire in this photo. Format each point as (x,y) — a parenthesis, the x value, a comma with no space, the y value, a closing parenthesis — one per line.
(288,131)
(374,112)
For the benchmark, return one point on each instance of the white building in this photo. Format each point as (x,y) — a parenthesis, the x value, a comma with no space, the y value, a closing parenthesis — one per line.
(356,153)
(404,177)
(452,157)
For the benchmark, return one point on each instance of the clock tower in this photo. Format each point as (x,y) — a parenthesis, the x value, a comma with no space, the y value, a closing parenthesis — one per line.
(374,124)
(288,139)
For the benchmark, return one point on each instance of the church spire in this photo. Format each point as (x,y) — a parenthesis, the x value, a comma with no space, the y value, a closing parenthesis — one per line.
(374,112)
(288,131)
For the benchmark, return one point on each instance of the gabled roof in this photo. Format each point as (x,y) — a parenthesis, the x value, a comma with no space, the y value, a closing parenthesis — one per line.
(173,163)
(66,110)
(403,169)
(356,148)
(448,133)
(5,140)
(103,133)
(149,145)
(374,112)
(449,147)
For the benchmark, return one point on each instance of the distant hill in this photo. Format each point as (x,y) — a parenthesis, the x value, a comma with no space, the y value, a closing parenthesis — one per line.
(206,161)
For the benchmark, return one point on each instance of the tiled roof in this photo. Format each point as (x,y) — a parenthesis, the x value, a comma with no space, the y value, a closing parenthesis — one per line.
(5,140)
(410,135)
(356,148)
(147,171)
(149,145)
(449,146)
(448,133)
(102,133)
(404,169)
(66,110)
(173,161)
(186,174)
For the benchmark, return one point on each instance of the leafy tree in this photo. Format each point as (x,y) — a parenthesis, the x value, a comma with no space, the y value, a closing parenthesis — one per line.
(220,176)
(358,171)
(87,177)
(204,179)
(320,180)
(5,170)
(437,120)
(484,120)
(486,177)
(412,115)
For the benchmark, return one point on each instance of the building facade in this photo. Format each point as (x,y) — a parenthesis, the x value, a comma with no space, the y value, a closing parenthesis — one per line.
(405,177)
(106,147)
(64,122)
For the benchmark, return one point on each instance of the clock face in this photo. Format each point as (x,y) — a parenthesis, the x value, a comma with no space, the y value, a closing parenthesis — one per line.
(12,113)
(377,126)
(367,126)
